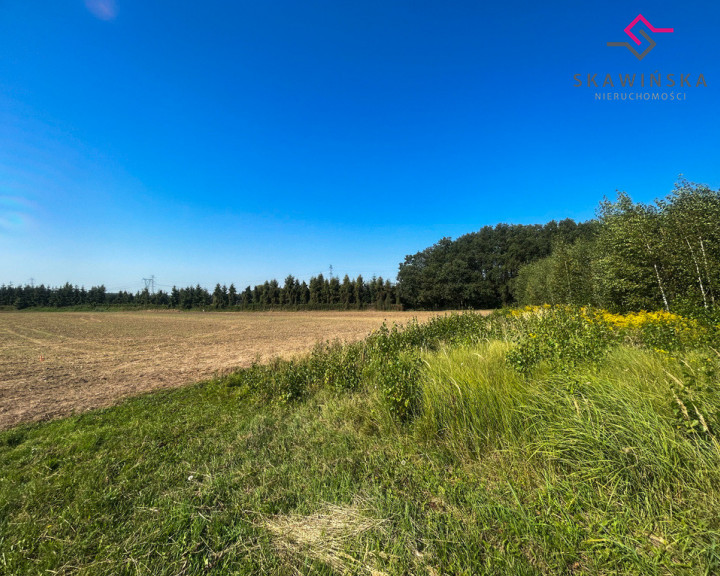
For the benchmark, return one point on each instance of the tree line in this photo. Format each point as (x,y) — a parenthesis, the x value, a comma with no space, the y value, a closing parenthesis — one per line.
(663,255)
(320,293)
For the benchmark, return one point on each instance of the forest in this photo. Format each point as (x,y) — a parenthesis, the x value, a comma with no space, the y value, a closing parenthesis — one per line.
(477,270)
(632,256)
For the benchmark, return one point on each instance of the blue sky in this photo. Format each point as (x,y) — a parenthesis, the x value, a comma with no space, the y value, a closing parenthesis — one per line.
(238,141)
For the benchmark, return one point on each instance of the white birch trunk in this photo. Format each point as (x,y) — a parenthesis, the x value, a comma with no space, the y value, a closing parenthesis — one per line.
(699,276)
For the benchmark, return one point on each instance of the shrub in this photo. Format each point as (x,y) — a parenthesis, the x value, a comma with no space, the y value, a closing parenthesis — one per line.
(563,336)
(398,379)
(342,367)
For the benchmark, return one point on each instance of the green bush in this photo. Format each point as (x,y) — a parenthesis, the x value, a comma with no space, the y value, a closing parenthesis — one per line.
(398,379)
(342,367)
(561,336)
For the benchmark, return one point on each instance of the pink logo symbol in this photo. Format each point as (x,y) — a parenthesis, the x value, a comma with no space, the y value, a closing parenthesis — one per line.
(636,40)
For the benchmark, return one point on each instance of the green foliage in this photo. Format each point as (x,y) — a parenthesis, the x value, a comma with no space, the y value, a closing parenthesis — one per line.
(563,337)
(387,360)
(536,283)
(567,276)
(331,365)
(280,381)
(477,270)
(632,264)
(343,366)
(664,255)
(695,400)
(397,377)
(458,329)
(590,423)
(691,215)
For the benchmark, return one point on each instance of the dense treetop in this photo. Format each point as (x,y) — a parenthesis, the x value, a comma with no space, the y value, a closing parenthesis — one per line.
(477,269)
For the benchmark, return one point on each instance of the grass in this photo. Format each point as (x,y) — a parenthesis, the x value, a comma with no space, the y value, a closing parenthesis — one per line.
(561,467)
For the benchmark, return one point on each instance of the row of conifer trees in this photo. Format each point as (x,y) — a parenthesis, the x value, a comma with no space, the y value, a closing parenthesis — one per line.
(319,293)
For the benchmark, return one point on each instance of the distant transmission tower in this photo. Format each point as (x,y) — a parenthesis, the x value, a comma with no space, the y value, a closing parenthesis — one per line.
(331,271)
(150,284)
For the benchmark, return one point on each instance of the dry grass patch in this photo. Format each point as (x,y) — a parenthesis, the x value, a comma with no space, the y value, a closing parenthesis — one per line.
(326,536)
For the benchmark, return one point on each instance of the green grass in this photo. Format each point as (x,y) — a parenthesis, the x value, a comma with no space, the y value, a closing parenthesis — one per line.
(309,467)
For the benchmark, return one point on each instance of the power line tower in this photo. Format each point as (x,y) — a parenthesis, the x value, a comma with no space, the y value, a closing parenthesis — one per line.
(331,270)
(150,284)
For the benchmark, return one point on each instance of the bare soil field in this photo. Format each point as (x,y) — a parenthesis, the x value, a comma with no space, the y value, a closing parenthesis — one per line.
(54,364)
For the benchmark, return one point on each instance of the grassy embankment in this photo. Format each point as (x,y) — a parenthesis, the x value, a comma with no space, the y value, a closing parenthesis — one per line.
(538,441)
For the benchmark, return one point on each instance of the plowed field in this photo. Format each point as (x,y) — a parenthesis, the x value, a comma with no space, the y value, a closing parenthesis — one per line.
(58,363)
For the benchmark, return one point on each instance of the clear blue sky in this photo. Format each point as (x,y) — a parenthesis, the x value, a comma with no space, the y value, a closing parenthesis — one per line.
(238,141)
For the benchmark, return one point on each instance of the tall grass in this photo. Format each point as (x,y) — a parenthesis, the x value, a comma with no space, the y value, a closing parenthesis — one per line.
(470,399)
(608,425)
(601,442)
